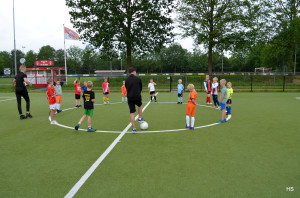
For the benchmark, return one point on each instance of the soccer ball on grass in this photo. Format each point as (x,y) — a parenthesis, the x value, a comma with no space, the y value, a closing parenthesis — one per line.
(144,125)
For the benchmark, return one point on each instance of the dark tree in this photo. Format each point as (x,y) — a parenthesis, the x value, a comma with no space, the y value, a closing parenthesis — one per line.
(138,26)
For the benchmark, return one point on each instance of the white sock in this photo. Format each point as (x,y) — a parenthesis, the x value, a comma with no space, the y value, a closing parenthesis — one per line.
(79,123)
(122,99)
(89,127)
(192,121)
(178,99)
(58,106)
(125,99)
(188,120)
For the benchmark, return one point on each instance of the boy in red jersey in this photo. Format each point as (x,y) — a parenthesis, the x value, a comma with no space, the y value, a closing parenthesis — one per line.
(207,87)
(105,87)
(191,107)
(77,92)
(124,92)
(51,100)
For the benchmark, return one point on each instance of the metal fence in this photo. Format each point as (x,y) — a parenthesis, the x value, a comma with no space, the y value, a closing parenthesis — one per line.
(169,82)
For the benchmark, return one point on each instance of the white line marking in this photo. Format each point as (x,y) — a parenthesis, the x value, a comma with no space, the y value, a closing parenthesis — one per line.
(298,98)
(7,99)
(146,131)
(83,179)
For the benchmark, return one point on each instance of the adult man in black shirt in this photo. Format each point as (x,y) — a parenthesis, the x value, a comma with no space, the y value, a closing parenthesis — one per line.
(134,87)
(21,91)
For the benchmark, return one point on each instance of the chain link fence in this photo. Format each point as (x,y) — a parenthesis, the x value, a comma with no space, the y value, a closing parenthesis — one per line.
(169,82)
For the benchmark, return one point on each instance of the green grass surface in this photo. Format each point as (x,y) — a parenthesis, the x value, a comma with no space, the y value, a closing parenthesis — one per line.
(255,154)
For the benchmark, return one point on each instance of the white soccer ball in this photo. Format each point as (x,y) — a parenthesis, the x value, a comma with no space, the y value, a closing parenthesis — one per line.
(144,125)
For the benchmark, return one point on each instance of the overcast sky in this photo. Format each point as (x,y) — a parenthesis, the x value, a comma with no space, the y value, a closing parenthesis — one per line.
(39,23)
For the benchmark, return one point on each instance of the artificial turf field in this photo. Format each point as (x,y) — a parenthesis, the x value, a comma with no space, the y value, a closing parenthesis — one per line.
(255,154)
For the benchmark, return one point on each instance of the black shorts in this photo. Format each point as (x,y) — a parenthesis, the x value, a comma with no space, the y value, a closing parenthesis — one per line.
(152,92)
(132,103)
(229,101)
(106,93)
(77,97)
(180,94)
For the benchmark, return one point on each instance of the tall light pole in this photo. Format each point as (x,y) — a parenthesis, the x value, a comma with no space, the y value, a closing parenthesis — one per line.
(15,59)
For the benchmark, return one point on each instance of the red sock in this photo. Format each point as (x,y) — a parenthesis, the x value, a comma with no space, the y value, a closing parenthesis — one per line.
(209,100)
(206,99)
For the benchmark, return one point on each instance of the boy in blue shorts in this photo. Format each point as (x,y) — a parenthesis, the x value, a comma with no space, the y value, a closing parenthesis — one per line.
(229,96)
(223,100)
(88,101)
(180,89)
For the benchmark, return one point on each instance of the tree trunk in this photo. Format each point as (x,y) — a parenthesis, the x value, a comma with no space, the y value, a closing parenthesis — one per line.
(290,63)
(129,60)
(210,58)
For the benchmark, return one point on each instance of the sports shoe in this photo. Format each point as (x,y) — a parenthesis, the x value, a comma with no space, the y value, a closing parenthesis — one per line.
(108,102)
(133,130)
(187,127)
(210,103)
(104,103)
(77,127)
(178,102)
(224,120)
(53,122)
(28,115)
(22,117)
(91,130)
(59,111)
(141,120)
(220,121)
(155,100)
(79,106)
(192,128)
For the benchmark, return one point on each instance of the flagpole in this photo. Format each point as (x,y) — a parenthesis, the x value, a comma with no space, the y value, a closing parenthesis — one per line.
(15,51)
(66,71)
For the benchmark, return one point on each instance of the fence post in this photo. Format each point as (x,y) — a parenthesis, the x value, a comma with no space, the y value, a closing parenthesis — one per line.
(283,87)
(201,83)
(219,85)
(251,82)
(170,83)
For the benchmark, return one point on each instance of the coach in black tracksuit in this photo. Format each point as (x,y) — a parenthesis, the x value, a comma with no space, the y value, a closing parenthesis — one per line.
(134,87)
(21,91)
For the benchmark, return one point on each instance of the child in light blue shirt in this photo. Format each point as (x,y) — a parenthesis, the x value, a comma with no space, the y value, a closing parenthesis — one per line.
(180,89)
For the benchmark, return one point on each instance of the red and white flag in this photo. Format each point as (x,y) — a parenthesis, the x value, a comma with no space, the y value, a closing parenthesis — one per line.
(70,34)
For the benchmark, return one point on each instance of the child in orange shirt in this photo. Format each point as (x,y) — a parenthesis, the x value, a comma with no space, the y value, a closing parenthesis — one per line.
(124,93)
(191,107)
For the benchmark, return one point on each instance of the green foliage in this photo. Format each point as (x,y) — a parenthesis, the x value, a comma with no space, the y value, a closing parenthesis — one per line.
(46,53)
(5,61)
(30,58)
(137,26)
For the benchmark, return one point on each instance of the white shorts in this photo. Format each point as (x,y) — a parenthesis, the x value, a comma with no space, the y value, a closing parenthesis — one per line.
(53,107)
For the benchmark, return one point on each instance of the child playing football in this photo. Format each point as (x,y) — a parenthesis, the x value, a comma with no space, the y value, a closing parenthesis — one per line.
(51,100)
(151,89)
(191,107)
(58,91)
(124,93)
(229,96)
(105,87)
(214,86)
(88,101)
(84,87)
(180,89)
(223,100)
(77,92)
(207,87)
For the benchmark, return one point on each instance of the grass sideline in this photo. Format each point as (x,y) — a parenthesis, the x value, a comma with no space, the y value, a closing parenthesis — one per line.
(255,154)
